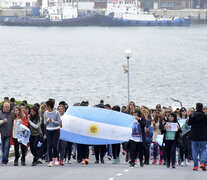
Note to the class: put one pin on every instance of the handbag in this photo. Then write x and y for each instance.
(180, 142)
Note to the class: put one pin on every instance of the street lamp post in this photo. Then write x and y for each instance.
(128, 53)
(181, 104)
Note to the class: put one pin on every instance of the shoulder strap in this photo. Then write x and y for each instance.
(56, 114)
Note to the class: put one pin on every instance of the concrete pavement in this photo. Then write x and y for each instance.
(92, 171)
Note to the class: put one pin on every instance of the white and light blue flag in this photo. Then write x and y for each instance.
(95, 126)
(23, 134)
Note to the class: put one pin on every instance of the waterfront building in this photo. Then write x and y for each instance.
(174, 4)
(17, 4)
(179, 4)
(159, 4)
(200, 4)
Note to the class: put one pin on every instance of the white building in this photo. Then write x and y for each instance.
(17, 3)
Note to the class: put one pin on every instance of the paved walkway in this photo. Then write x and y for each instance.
(107, 171)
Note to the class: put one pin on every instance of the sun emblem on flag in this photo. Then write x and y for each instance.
(93, 129)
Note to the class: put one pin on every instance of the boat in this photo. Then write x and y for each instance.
(129, 13)
(53, 13)
(86, 20)
(118, 13)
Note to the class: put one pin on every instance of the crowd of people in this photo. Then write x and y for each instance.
(188, 140)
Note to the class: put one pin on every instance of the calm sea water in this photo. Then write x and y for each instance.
(85, 63)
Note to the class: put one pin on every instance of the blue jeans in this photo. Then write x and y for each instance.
(5, 146)
(199, 148)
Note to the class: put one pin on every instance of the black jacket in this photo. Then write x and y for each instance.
(142, 123)
(198, 123)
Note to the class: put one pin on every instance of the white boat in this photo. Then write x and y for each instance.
(53, 13)
(129, 13)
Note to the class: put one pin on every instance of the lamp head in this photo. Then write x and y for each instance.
(128, 53)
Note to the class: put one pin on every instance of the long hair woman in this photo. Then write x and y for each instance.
(18, 117)
(34, 125)
(184, 151)
(137, 140)
(130, 108)
(148, 135)
(156, 123)
(62, 143)
(52, 122)
(44, 153)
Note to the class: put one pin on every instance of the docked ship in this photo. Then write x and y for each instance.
(129, 13)
(117, 13)
(53, 13)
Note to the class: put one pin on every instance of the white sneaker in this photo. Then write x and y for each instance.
(182, 163)
(50, 164)
(186, 162)
(69, 162)
(56, 161)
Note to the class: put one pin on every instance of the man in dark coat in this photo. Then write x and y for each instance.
(198, 135)
(5, 130)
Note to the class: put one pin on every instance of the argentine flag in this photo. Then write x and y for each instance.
(95, 126)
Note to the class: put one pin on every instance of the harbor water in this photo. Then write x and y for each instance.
(85, 63)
